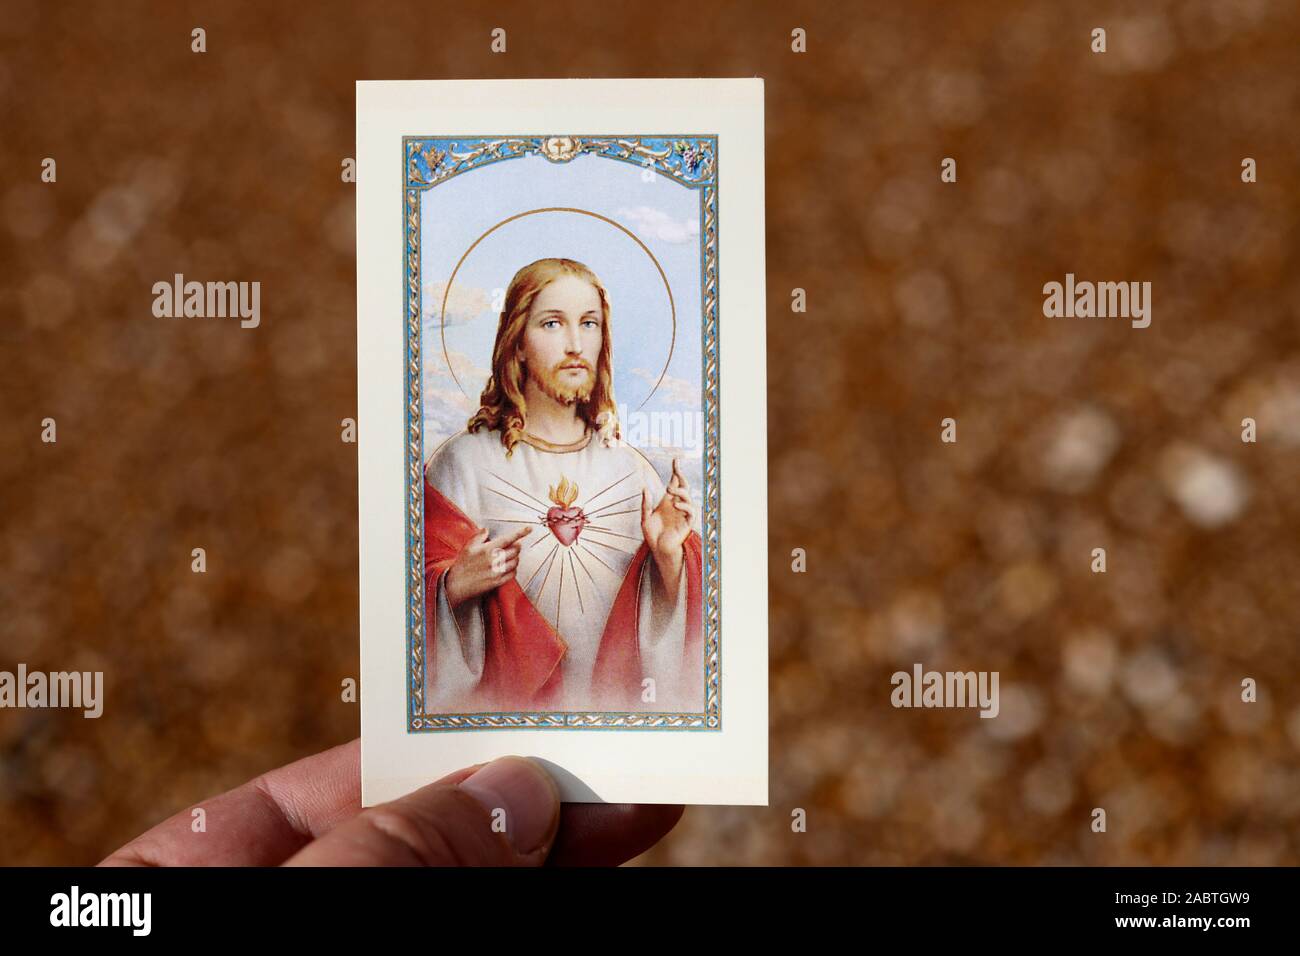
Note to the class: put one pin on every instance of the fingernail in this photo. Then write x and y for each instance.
(526, 793)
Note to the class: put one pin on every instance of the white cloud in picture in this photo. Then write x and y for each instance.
(465, 304)
(649, 222)
(676, 390)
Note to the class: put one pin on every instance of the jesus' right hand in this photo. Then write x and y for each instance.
(483, 565)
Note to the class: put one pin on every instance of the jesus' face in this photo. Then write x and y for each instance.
(560, 347)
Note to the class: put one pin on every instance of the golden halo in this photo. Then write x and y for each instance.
(442, 315)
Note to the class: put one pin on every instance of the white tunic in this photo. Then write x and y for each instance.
(572, 586)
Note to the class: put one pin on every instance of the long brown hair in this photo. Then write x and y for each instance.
(502, 405)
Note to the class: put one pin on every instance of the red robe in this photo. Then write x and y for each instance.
(522, 666)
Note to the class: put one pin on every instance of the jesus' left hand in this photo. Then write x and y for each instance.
(667, 525)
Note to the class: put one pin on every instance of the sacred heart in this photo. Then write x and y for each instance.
(565, 523)
(564, 520)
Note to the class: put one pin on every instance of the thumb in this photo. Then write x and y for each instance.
(505, 813)
(645, 505)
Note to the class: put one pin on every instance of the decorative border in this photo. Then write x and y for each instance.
(689, 160)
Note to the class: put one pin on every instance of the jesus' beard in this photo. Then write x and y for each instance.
(551, 385)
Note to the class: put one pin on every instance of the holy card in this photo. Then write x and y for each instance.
(562, 436)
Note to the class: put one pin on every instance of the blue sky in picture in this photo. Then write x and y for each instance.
(663, 214)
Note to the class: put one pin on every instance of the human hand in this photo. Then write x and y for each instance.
(309, 814)
(483, 565)
(667, 526)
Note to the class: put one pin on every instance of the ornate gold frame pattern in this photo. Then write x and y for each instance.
(689, 160)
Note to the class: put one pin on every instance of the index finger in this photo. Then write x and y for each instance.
(506, 540)
(678, 479)
(261, 823)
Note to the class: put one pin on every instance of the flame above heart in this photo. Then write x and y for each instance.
(565, 521)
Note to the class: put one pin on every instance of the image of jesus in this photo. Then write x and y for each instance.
(561, 573)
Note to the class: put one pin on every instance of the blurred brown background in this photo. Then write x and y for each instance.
(1119, 691)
